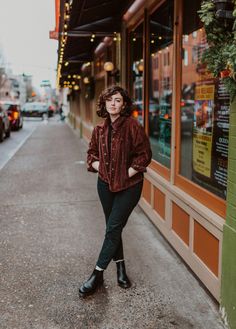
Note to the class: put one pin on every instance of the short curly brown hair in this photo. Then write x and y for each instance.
(106, 94)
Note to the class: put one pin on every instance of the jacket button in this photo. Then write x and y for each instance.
(107, 163)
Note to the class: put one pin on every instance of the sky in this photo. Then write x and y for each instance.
(24, 38)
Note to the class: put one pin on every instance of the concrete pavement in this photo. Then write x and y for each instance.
(52, 228)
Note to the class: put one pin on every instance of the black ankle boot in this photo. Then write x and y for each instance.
(122, 278)
(95, 280)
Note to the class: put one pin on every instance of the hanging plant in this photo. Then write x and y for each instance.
(219, 19)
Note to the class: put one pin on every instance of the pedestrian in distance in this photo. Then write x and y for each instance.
(119, 151)
(62, 116)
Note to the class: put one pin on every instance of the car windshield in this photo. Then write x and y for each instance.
(35, 106)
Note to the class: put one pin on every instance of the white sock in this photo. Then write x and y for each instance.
(119, 260)
(99, 268)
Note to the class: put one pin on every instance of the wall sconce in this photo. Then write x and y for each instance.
(139, 68)
(109, 68)
(86, 80)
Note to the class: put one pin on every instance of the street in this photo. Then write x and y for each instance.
(52, 227)
(10, 145)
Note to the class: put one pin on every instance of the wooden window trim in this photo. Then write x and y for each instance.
(160, 169)
(208, 199)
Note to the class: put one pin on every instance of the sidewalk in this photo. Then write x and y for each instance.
(52, 228)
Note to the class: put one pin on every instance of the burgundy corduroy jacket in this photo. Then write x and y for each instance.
(129, 147)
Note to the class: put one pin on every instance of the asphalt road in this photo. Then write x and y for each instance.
(11, 145)
(52, 227)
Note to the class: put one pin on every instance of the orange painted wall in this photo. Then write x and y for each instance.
(159, 202)
(180, 223)
(147, 190)
(206, 247)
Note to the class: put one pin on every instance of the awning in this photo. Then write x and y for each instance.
(83, 25)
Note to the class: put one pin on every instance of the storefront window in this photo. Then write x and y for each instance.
(136, 60)
(204, 112)
(161, 82)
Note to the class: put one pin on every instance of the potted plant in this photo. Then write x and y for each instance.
(220, 56)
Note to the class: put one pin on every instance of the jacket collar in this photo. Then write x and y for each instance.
(116, 124)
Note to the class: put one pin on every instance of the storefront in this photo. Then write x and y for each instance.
(154, 50)
(186, 113)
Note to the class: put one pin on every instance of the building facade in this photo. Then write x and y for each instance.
(155, 52)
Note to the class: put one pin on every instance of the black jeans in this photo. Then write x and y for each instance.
(117, 207)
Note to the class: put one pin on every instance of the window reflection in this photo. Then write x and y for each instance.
(204, 112)
(161, 81)
(136, 56)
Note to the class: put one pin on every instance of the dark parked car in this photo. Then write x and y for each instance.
(14, 114)
(5, 125)
(35, 109)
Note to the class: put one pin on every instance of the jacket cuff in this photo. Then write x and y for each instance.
(90, 168)
(138, 167)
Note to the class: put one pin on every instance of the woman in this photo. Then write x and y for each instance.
(119, 151)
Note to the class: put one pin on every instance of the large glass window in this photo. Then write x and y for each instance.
(161, 82)
(136, 60)
(204, 111)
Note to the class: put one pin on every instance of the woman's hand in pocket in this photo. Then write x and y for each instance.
(95, 165)
(131, 172)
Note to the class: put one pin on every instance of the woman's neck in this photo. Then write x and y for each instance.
(114, 117)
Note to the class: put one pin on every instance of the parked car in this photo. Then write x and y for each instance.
(14, 114)
(5, 125)
(35, 109)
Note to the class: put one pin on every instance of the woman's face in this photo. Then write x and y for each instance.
(114, 105)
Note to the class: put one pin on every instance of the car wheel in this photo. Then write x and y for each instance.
(44, 116)
(1, 133)
(8, 132)
(18, 125)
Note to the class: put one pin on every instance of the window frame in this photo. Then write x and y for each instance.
(172, 174)
(208, 199)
